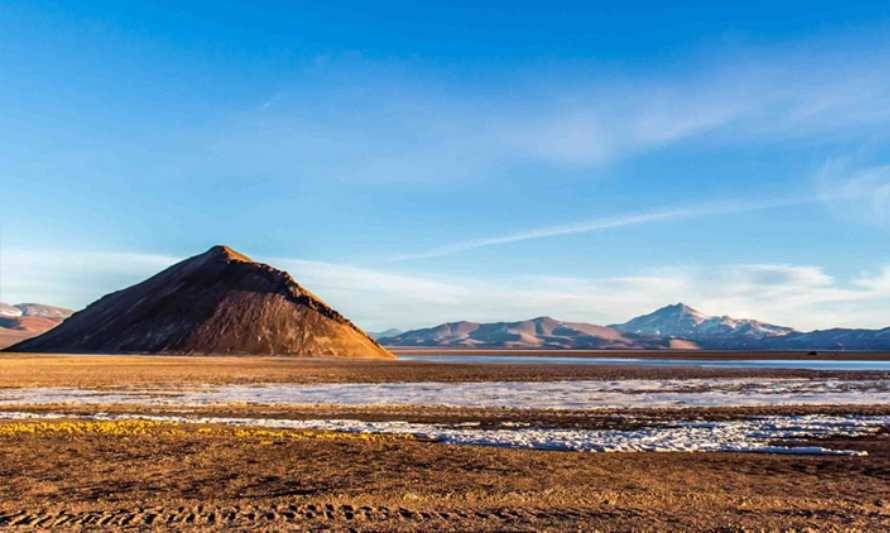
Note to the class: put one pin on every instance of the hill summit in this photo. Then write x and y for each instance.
(219, 302)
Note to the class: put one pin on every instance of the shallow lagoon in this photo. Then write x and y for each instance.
(789, 364)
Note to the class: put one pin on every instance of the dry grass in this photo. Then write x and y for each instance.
(159, 429)
(140, 470)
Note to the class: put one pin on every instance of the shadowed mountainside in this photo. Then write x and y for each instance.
(217, 302)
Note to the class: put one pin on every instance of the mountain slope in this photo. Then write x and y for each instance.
(718, 332)
(542, 332)
(23, 321)
(216, 302)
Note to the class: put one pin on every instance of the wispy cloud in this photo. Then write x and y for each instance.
(858, 193)
(72, 279)
(380, 122)
(618, 221)
(801, 296)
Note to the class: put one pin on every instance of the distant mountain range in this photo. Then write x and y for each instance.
(542, 332)
(22, 321)
(392, 332)
(675, 326)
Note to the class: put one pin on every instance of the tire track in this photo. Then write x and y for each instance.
(321, 515)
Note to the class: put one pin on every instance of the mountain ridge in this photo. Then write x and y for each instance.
(540, 332)
(676, 326)
(716, 332)
(216, 302)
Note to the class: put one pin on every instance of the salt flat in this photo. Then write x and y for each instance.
(580, 394)
(753, 435)
(758, 434)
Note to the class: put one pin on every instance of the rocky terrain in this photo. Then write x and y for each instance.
(216, 302)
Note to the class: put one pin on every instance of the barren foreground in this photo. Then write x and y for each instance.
(65, 467)
(127, 475)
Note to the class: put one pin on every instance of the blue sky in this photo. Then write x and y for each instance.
(413, 165)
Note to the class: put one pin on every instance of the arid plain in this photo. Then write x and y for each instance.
(130, 441)
(444, 266)
(311, 423)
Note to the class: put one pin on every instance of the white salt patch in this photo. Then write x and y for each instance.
(520, 395)
(751, 435)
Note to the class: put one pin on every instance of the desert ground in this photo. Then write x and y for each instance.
(126, 442)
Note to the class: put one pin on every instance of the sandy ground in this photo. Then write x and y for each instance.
(75, 474)
(120, 475)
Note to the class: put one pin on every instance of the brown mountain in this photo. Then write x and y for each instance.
(542, 332)
(218, 302)
(23, 321)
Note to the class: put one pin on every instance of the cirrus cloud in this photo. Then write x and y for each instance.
(801, 296)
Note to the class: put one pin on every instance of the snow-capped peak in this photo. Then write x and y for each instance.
(9, 311)
(681, 321)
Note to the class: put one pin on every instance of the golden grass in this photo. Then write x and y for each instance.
(141, 427)
(116, 428)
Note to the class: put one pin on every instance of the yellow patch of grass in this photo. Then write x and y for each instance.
(268, 436)
(116, 428)
(135, 427)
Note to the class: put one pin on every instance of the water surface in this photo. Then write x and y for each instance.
(792, 364)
